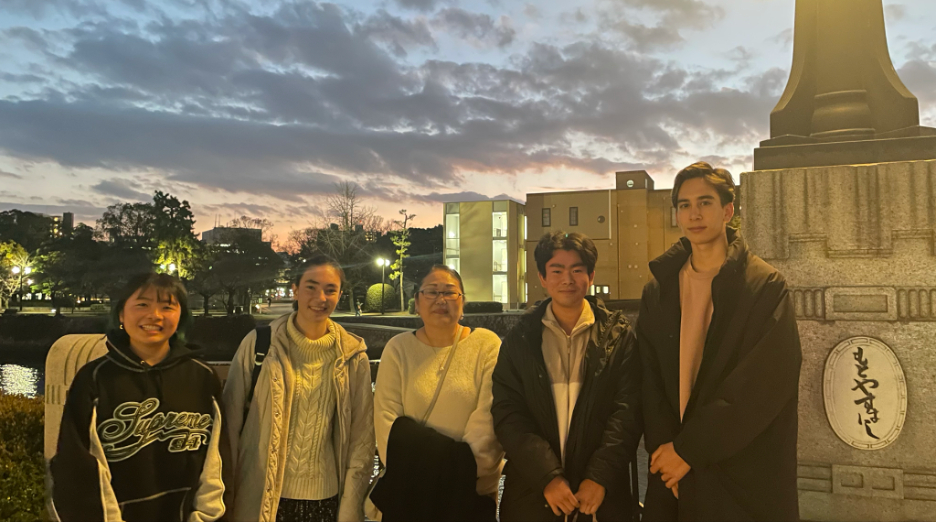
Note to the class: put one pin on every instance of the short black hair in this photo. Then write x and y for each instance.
(168, 288)
(720, 179)
(572, 241)
(314, 261)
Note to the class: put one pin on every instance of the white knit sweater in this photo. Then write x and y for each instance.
(407, 380)
(311, 471)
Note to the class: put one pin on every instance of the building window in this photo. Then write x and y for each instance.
(546, 218)
(500, 255)
(599, 290)
(499, 220)
(452, 247)
(573, 216)
(672, 217)
(500, 288)
(525, 227)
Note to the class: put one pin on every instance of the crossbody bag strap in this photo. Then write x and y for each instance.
(445, 369)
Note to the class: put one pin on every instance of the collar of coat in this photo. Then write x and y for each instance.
(666, 268)
(349, 345)
(608, 325)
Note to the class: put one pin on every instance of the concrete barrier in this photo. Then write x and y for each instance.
(66, 357)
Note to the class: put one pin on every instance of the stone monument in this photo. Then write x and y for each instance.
(843, 202)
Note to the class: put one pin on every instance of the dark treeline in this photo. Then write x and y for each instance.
(78, 266)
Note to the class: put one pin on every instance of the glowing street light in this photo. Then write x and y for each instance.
(383, 264)
(21, 271)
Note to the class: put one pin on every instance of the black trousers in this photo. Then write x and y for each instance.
(291, 510)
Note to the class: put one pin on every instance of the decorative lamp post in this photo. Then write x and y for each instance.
(382, 263)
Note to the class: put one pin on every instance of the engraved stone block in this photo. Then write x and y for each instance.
(863, 481)
(861, 304)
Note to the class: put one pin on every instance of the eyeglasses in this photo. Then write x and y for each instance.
(434, 294)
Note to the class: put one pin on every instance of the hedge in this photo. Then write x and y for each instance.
(372, 304)
(483, 307)
(22, 465)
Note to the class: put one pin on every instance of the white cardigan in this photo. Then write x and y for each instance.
(407, 380)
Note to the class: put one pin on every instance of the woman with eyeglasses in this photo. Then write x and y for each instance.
(432, 413)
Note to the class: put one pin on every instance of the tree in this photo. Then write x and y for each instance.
(69, 265)
(244, 268)
(174, 231)
(11, 255)
(401, 242)
(128, 224)
(26, 229)
(204, 280)
(345, 239)
(164, 229)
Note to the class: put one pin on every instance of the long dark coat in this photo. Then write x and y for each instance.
(739, 429)
(605, 427)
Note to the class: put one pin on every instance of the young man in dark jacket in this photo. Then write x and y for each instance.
(566, 397)
(721, 362)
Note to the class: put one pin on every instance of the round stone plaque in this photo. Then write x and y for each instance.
(865, 393)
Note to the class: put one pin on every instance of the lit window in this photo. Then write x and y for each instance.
(499, 220)
(546, 218)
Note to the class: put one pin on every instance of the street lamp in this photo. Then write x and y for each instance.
(382, 263)
(22, 271)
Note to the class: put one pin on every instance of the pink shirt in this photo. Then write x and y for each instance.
(695, 300)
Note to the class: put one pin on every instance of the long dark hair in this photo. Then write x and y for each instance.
(168, 288)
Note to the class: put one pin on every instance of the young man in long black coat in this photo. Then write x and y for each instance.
(566, 398)
(721, 358)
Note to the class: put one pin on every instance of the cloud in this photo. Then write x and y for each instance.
(670, 16)
(120, 188)
(784, 39)
(5, 174)
(684, 13)
(531, 11)
(419, 5)
(895, 12)
(287, 102)
(479, 28)
(397, 33)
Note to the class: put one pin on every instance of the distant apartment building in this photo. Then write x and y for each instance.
(62, 225)
(631, 225)
(485, 243)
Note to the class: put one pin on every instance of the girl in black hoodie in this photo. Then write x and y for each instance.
(141, 429)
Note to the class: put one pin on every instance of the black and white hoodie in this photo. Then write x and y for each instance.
(140, 443)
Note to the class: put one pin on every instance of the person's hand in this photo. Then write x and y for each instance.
(675, 490)
(590, 496)
(560, 497)
(669, 464)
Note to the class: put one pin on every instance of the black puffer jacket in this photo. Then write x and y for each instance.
(739, 429)
(606, 423)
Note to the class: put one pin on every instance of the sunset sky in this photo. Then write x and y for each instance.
(260, 107)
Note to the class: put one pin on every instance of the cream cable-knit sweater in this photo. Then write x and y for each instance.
(311, 472)
(408, 376)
